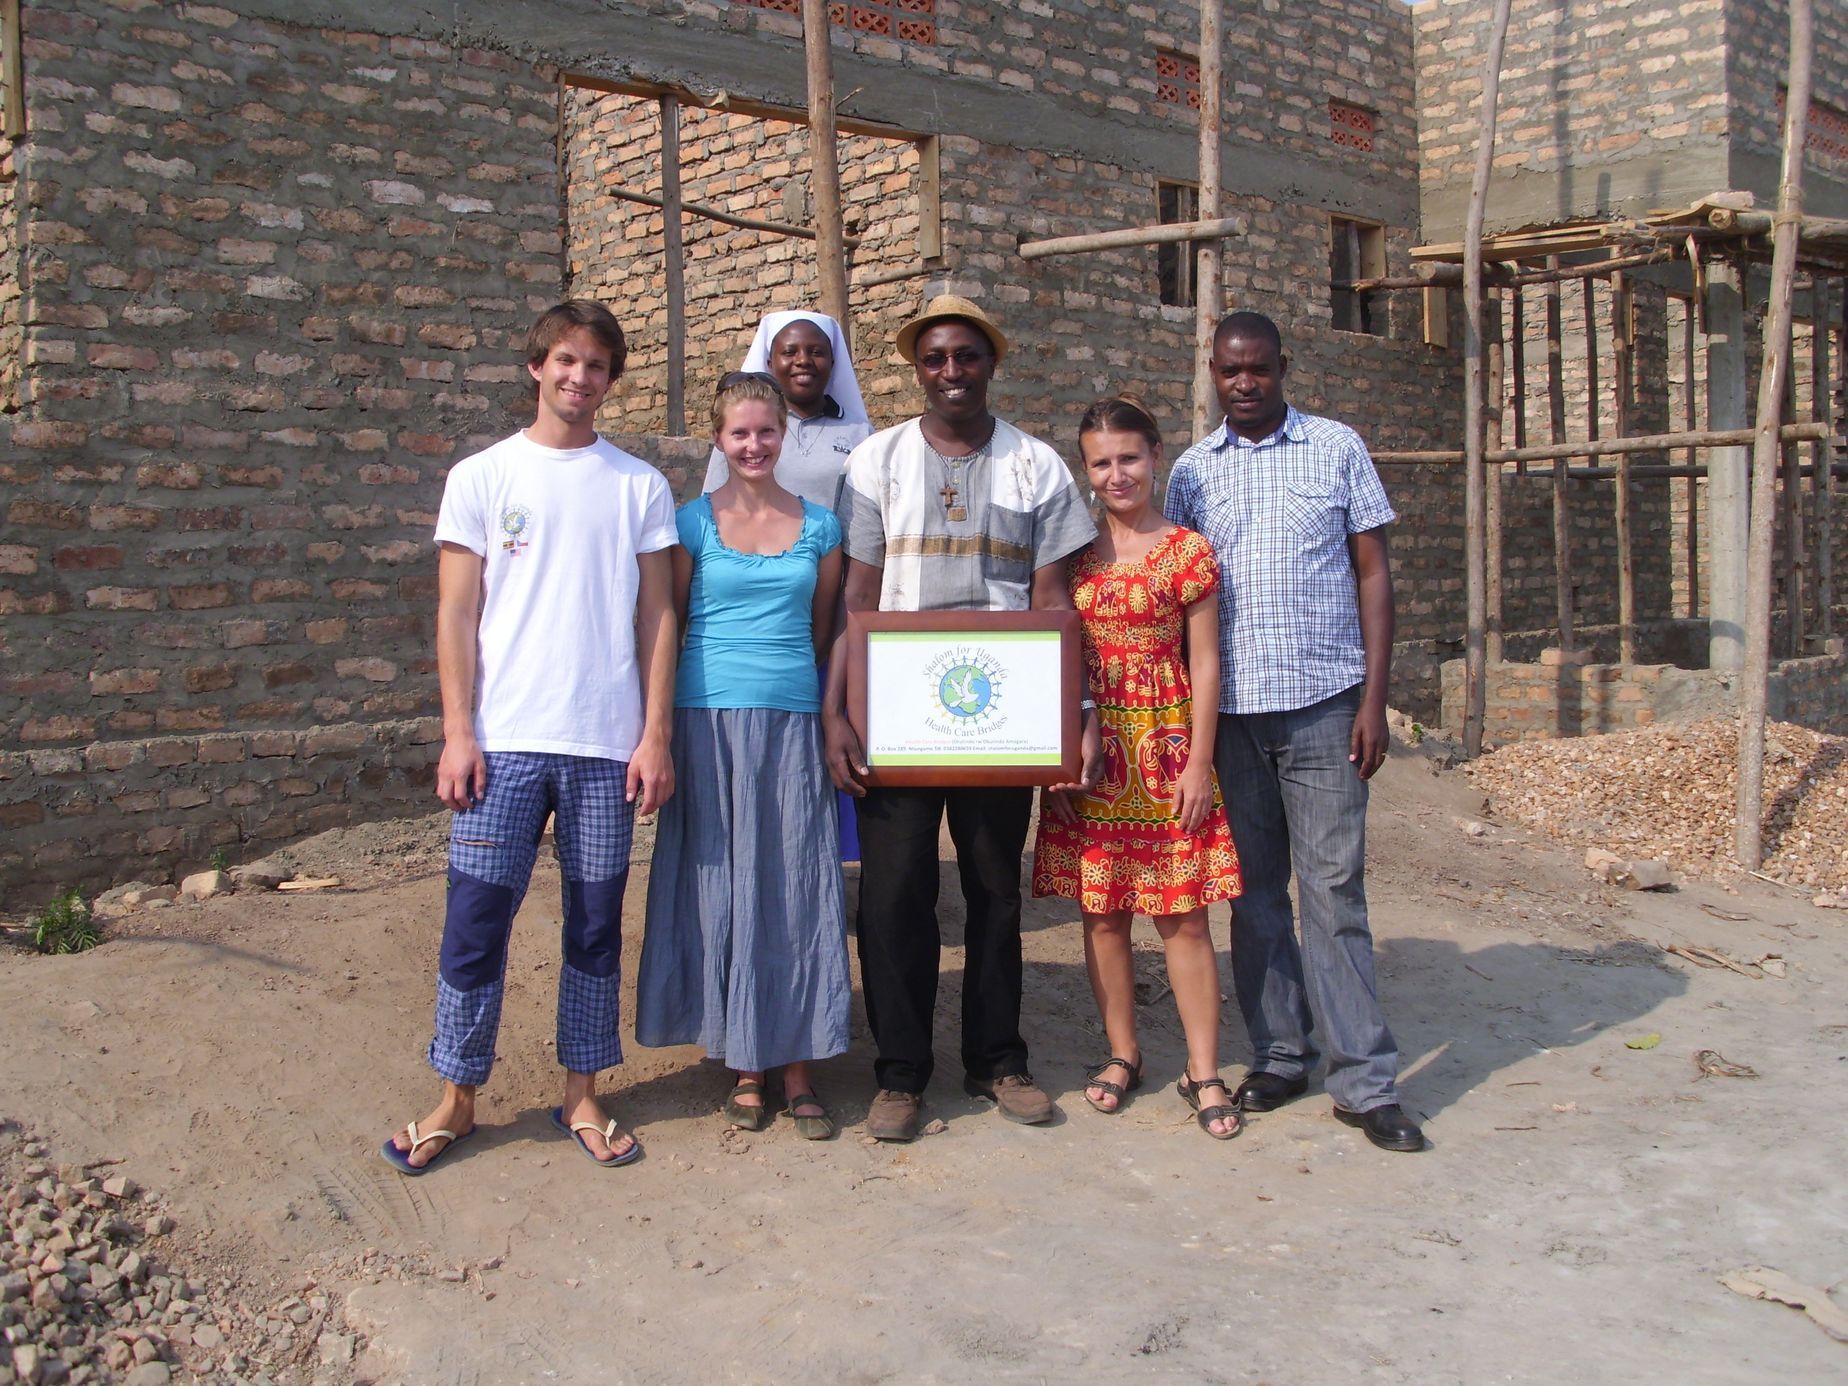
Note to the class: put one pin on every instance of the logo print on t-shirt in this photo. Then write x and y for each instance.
(514, 522)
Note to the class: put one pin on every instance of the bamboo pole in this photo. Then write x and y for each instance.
(824, 165)
(1623, 326)
(1807, 432)
(1207, 290)
(1492, 479)
(1749, 835)
(1556, 427)
(675, 254)
(1166, 234)
(1475, 519)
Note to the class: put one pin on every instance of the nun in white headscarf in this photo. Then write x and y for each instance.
(807, 357)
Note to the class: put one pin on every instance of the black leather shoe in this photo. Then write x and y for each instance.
(1387, 1127)
(1264, 1092)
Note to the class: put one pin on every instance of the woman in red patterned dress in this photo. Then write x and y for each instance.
(1152, 837)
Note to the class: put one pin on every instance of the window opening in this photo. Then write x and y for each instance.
(1177, 264)
(1356, 251)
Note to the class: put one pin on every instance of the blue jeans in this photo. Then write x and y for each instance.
(1293, 800)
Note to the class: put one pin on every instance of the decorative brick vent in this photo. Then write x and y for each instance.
(1352, 125)
(1828, 133)
(911, 20)
(1177, 79)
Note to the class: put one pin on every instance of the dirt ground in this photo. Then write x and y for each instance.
(1570, 1221)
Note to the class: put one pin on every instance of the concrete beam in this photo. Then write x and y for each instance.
(630, 44)
(1666, 178)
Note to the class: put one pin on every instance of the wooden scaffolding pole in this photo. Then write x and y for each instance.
(1207, 294)
(824, 166)
(1492, 439)
(1556, 430)
(1691, 526)
(1475, 649)
(1831, 369)
(1749, 826)
(675, 252)
(1623, 365)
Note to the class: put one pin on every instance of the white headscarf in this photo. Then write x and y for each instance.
(843, 385)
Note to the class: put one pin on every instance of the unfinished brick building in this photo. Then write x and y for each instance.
(266, 266)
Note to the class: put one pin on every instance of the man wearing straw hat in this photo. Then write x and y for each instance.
(954, 510)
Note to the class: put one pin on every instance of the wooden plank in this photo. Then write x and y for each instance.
(1437, 318)
(1208, 283)
(824, 165)
(13, 116)
(1214, 229)
(675, 256)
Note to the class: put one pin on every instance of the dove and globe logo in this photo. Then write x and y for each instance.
(965, 691)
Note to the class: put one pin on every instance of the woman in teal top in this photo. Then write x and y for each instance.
(745, 952)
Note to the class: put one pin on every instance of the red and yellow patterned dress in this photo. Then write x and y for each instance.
(1127, 851)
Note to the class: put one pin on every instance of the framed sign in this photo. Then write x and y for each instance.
(966, 697)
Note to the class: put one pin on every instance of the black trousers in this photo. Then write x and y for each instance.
(901, 945)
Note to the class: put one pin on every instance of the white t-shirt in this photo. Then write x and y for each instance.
(559, 532)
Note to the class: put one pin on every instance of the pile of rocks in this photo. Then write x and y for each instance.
(86, 1296)
(1668, 792)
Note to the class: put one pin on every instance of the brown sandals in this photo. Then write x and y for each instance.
(1191, 1091)
(1116, 1090)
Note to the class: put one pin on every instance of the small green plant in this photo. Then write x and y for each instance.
(1418, 733)
(65, 926)
(219, 860)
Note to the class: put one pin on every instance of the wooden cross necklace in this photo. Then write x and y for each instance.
(950, 493)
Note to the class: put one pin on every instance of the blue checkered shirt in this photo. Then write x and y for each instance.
(1278, 513)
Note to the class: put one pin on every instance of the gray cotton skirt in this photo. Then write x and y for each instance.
(745, 947)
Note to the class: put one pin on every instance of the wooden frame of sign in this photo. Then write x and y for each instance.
(973, 698)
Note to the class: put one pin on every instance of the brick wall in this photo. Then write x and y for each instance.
(1757, 63)
(1603, 105)
(751, 168)
(279, 278)
(1568, 697)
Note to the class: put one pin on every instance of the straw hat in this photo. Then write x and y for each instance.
(946, 308)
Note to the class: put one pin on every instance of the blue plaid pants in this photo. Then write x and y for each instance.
(492, 847)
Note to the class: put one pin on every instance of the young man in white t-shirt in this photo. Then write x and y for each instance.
(555, 643)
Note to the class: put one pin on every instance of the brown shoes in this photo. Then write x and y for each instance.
(894, 1116)
(1016, 1094)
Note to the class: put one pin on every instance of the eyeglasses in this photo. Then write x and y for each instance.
(967, 358)
(731, 378)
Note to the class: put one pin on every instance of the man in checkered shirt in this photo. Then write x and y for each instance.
(1295, 512)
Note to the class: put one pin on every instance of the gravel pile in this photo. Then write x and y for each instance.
(1668, 792)
(87, 1293)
